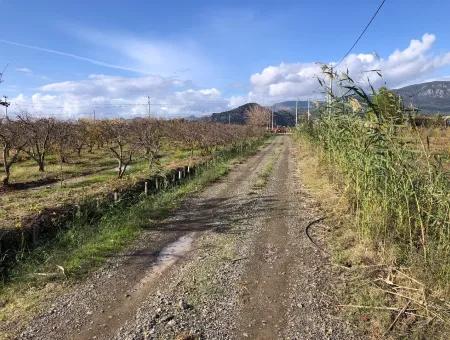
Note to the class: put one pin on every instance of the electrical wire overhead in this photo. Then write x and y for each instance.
(362, 33)
(2, 73)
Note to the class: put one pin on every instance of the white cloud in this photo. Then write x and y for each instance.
(120, 96)
(297, 80)
(24, 70)
(235, 101)
(114, 86)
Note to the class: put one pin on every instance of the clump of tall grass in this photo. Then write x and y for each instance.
(399, 192)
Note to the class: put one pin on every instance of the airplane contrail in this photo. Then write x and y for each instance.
(71, 55)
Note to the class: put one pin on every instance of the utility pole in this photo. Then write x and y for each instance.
(308, 115)
(149, 107)
(229, 118)
(94, 115)
(272, 117)
(330, 91)
(296, 112)
(5, 103)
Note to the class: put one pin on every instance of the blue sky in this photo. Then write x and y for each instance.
(194, 57)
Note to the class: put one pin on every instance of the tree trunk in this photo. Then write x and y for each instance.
(120, 173)
(150, 162)
(41, 166)
(6, 166)
(5, 180)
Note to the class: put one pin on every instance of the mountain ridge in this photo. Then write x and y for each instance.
(429, 97)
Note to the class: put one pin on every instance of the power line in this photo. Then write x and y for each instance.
(3, 72)
(362, 33)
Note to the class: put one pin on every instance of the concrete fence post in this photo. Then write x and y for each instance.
(146, 188)
(116, 196)
(156, 184)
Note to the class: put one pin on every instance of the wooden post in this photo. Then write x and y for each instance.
(146, 188)
(35, 234)
(97, 203)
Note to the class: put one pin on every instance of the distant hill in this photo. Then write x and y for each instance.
(282, 116)
(302, 108)
(238, 115)
(290, 106)
(432, 97)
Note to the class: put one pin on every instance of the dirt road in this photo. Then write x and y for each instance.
(233, 262)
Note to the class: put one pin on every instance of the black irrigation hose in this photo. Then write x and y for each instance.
(310, 224)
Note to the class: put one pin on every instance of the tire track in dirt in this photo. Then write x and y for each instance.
(288, 284)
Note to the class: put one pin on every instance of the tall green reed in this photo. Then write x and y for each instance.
(399, 192)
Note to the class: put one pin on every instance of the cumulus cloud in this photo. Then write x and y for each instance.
(401, 67)
(120, 96)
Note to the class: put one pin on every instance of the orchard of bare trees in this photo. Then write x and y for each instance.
(126, 140)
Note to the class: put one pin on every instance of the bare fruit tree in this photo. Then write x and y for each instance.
(63, 137)
(38, 134)
(79, 137)
(12, 141)
(188, 134)
(258, 116)
(120, 138)
(149, 137)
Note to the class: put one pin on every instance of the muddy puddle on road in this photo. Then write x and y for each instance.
(125, 307)
(168, 256)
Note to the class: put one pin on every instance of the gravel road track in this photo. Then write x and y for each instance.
(233, 262)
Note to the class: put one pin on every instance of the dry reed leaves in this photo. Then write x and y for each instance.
(416, 303)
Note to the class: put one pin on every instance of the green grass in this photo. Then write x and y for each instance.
(264, 175)
(93, 174)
